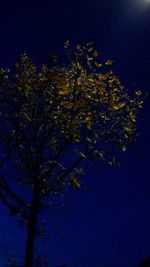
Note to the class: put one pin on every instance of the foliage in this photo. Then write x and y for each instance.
(55, 117)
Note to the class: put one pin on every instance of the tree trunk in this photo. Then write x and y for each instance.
(31, 230)
(29, 250)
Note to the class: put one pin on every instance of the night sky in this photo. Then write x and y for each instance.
(108, 225)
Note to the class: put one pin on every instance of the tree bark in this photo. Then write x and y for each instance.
(31, 230)
(29, 250)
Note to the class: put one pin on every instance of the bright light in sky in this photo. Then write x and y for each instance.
(144, 2)
(140, 4)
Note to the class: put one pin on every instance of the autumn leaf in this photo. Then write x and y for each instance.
(138, 93)
(78, 46)
(119, 106)
(109, 62)
(90, 79)
(140, 104)
(95, 54)
(124, 148)
(127, 129)
(66, 43)
(50, 114)
(82, 155)
(74, 182)
(98, 64)
(132, 116)
(89, 58)
(90, 49)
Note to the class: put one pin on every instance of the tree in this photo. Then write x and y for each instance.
(53, 118)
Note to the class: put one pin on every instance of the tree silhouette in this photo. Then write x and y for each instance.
(53, 118)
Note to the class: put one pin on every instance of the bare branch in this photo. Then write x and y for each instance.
(20, 152)
(13, 208)
(14, 196)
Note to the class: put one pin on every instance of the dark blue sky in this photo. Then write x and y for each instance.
(109, 225)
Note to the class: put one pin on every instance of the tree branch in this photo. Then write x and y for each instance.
(66, 172)
(13, 208)
(61, 178)
(10, 192)
(19, 151)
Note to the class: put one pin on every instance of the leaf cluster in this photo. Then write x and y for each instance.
(80, 109)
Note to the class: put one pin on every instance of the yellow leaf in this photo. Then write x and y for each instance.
(126, 136)
(61, 86)
(138, 93)
(78, 46)
(79, 81)
(64, 87)
(98, 64)
(95, 54)
(68, 105)
(82, 155)
(74, 182)
(124, 148)
(119, 106)
(109, 62)
(89, 58)
(102, 76)
(132, 117)
(140, 104)
(90, 80)
(63, 92)
(90, 49)
(89, 96)
(127, 129)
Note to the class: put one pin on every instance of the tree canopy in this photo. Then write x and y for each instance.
(56, 116)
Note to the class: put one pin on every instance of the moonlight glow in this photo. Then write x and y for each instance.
(144, 2)
(140, 5)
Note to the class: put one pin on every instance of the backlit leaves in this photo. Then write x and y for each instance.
(66, 43)
(79, 105)
(118, 106)
(138, 93)
(109, 62)
(74, 181)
